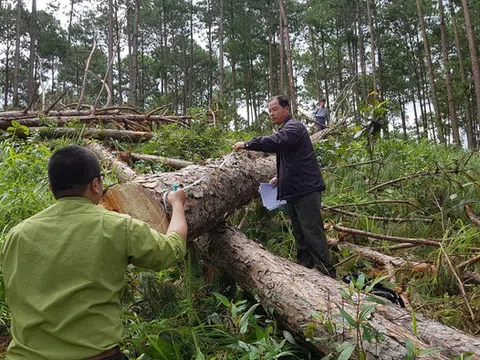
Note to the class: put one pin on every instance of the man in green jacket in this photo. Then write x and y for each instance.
(63, 269)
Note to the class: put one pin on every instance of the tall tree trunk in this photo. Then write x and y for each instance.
(433, 87)
(110, 50)
(315, 63)
(221, 70)
(7, 71)
(466, 95)
(281, 35)
(404, 120)
(361, 47)
(270, 50)
(417, 127)
(291, 79)
(31, 65)
(325, 78)
(372, 44)
(451, 106)
(132, 93)
(16, 71)
(473, 55)
(210, 53)
(119, 59)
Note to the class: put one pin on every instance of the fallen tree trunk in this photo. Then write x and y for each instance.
(121, 170)
(174, 163)
(129, 119)
(297, 294)
(100, 134)
(214, 191)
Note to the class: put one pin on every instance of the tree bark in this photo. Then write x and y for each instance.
(433, 87)
(221, 73)
(132, 94)
(281, 35)
(31, 63)
(306, 299)
(468, 115)
(448, 76)
(119, 60)
(110, 51)
(473, 54)
(16, 71)
(174, 163)
(372, 44)
(291, 79)
(101, 134)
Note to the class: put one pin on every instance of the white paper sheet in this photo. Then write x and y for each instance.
(269, 196)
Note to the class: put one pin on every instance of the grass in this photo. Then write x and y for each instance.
(175, 314)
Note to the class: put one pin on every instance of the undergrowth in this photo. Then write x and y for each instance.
(177, 314)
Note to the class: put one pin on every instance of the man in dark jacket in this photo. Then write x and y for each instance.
(300, 183)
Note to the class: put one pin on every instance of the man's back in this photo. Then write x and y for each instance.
(63, 271)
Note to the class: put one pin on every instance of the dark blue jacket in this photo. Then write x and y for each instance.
(298, 172)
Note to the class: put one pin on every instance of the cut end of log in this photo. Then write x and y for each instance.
(137, 202)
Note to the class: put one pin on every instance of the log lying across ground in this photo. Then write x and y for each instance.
(100, 134)
(121, 170)
(296, 294)
(293, 291)
(214, 191)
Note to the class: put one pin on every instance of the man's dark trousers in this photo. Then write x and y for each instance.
(307, 226)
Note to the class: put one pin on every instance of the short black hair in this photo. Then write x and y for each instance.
(282, 100)
(322, 100)
(71, 169)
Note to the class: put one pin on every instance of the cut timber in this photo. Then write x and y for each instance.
(100, 134)
(121, 170)
(128, 119)
(173, 163)
(296, 294)
(213, 191)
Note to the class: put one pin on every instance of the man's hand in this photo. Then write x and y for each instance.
(178, 223)
(273, 181)
(239, 146)
(177, 198)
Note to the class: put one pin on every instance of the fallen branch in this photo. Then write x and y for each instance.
(406, 202)
(429, 242)
(55, 102)
(419, 174)
(465, 264)
(387, 260)
(375, 218)
(174, 163)
(473, 218)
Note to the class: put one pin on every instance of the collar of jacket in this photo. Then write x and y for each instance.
(287, 119)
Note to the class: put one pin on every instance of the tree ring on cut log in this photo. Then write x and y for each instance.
(137, 202)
